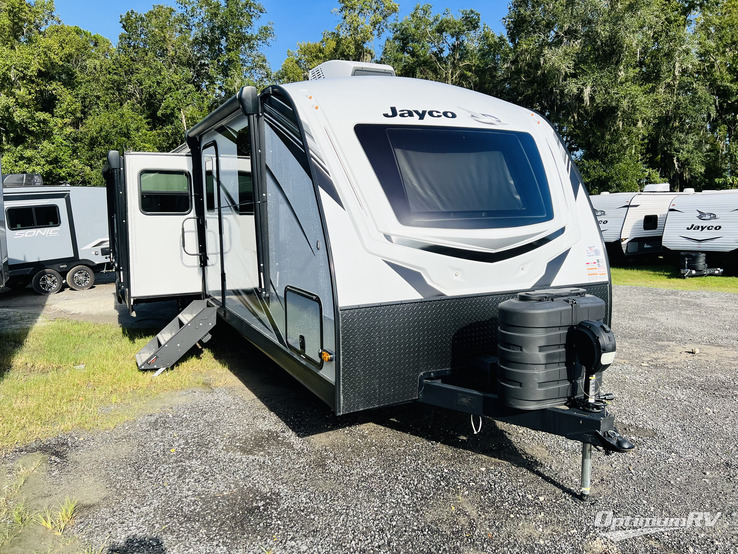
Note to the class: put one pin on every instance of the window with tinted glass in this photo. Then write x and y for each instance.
(164, 192)
(459, 178)
(650, 222)
(30, 217)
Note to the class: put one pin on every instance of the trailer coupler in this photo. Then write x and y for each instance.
(588, 427)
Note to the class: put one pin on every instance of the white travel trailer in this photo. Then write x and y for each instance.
(4, 269)
(701, 223)
(54, 233)
(399, 240)
(610, 211)
(644, 221)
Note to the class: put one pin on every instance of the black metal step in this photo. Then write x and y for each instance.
(193, 324)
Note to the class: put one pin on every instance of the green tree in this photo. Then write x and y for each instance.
(43, 68)
(67, 96)
(441, 47)
(361, 23)
(716, 32)
(605, 72)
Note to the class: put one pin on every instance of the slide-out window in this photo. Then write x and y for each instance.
(31, 217)
(165, 192)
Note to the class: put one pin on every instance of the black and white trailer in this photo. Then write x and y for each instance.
(53, 234)
(702, 223)
(396, 240)
(610, 210)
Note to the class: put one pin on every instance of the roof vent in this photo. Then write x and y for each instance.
(659, 187)
(342, 68)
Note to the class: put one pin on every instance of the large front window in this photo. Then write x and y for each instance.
(458, 178)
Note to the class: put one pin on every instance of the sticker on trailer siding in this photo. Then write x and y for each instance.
(596, 269)
(596, 266)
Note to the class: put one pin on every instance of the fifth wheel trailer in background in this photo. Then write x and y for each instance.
(398, 240)
(54, 234)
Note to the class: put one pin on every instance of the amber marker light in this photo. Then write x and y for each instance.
(326, 356)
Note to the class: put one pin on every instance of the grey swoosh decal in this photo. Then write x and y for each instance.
(552, 270)
(416, 280)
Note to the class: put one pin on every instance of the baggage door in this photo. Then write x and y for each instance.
(161, 227)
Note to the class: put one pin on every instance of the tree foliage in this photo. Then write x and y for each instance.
(361, 23)
(440, 47)
(67, 96)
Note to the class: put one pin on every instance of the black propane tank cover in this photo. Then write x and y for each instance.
(532, 345)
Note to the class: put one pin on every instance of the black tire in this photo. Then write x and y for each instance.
(80, 277)
(47, 281)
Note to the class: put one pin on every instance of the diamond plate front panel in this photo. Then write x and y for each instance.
(386, 348)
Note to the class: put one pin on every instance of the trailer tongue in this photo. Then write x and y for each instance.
(549, 355)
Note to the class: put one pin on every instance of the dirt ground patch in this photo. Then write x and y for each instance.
(265, 467)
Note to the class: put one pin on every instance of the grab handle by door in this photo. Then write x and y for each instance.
(184, 246)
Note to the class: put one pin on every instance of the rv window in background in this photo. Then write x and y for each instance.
(650, 222)
(32, 217)
(164, 192)
(459, 178)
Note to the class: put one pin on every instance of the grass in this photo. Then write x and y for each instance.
(57, 521)
(666, 276)
(68, 375)
(14, 515)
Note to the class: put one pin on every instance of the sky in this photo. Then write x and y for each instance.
(293, 21)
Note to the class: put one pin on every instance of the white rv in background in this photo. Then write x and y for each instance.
(644, 222)
(610, 210)
(4, 270)
(386, 240)
(633, 223)
(706, 222)
(53, 234)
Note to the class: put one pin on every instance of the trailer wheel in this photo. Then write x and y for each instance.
(80, 277)
(47, 281)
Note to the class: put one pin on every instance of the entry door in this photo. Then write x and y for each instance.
(162, 230)
(232, 275)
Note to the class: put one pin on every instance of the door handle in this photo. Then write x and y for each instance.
(184, 247)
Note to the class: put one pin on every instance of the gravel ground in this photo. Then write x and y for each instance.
(265, 467)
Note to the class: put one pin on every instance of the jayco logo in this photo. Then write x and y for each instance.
(420, 114)
(694, 227)
(706, 216)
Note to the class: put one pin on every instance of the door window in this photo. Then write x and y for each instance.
(165, 192)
